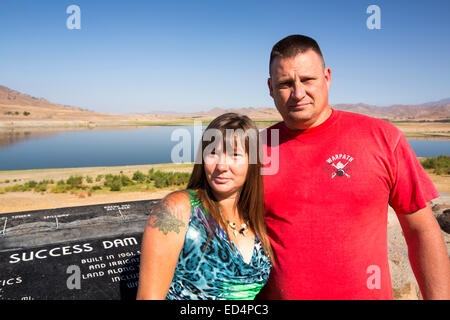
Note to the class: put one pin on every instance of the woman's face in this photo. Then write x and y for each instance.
(226, 171)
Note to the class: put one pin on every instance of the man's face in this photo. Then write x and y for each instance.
(299, 87)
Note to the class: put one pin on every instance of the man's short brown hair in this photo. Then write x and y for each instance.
(292, 46)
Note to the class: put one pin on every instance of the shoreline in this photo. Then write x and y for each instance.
(417, 130)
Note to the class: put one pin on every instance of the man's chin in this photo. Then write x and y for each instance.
(297, 121)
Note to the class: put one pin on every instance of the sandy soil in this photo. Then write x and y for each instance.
(424, 130)
(25, 201)
(442, 182)
(23, 176)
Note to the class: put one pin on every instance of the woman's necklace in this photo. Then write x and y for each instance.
(243, 230)
(244, 227)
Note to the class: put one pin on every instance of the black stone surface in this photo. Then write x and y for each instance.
(89, 252)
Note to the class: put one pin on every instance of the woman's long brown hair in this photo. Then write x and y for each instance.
(250, 204)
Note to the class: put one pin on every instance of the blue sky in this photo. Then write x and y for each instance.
(139, 56)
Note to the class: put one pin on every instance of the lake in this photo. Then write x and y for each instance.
(118, 147)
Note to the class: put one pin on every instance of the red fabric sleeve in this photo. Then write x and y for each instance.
(412, 188)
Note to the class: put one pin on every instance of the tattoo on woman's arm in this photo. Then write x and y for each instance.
(161, 217)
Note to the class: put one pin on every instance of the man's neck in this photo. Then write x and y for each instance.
(308, 125)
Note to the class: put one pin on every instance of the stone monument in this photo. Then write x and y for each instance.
(80, 253)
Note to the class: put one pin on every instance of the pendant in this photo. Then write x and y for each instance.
(243, 230)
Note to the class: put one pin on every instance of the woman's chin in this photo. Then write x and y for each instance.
(222, 191)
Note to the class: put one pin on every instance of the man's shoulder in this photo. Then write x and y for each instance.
(370, 128)
(364, 121)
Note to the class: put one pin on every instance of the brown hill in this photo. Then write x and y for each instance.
(21, 109)
(17, 106)
(430, 111)
(15, 98)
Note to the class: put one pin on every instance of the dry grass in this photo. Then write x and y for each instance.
(25, 201)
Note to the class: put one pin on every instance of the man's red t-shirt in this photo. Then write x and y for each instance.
(326, 207)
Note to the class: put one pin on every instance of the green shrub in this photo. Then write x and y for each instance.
(161, 182)
(75, 182)
(116, 185)
(18, 188)
(168, 179)
(125, 180)
(139, 176)
(89, 179)
(40, 188)
(440, 165)
(31, 184)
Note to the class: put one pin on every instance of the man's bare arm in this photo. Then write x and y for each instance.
(427, 253)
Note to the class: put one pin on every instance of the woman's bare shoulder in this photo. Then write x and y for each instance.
(171, 213)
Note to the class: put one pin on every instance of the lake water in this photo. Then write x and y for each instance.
(117, 147)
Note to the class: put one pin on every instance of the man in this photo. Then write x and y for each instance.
(326, 208)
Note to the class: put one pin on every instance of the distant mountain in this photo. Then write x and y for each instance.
(442, 102)
(427, 111)
(18, 106)
(437, 110)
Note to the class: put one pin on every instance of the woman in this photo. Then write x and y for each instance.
(209, 241)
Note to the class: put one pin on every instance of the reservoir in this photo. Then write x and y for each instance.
(20, 150)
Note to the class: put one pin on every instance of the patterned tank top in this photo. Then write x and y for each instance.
(215, 270)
